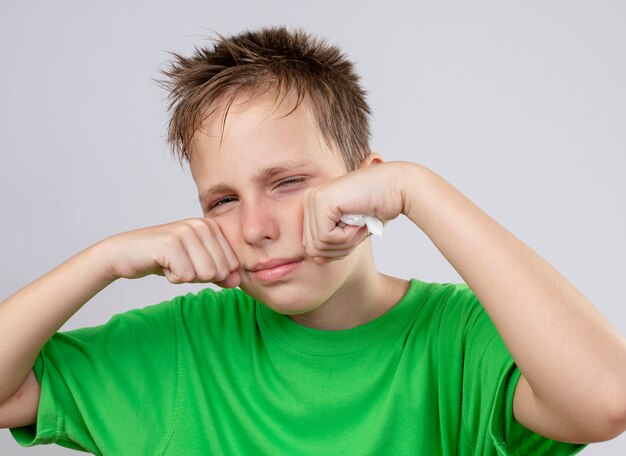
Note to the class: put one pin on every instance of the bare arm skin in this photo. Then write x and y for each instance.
(31, 316)
(192, 250)
(21, 408)
(573, 360)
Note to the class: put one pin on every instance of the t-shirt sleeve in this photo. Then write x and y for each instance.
(108, 389)
(490, 377)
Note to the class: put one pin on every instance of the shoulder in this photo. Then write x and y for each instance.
(215, 310)
(455, 300)
(190, 312)
(233, 301)
(205, 301)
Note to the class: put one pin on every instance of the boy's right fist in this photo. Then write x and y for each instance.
(191, 250)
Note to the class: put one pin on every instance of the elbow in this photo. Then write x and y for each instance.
(598, 423)
(613, 395)
(615, 422)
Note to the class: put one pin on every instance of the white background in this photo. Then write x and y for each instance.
(521, 106)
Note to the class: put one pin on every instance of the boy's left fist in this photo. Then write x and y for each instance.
(373, 190)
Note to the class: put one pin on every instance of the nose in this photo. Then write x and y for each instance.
(258, 222)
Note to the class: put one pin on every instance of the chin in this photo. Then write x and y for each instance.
(287, 300)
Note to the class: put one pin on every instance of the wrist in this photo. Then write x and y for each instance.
(410, 179)
(100, 255)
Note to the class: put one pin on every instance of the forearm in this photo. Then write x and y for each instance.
(572, 357)
(33, 314)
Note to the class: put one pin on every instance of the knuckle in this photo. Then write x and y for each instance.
(210, 273)
(173, 278)
(214, 229)
(188, 276)
(209, 222)
(207, 271)
(319, 239)
(222, 274)
(169, 238)
(186, 229)
(198, 223)
(182, 274)
(203, 278)
(311, 251)
(319, 243)
(190, 220)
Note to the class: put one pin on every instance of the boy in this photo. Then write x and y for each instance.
(315, 352)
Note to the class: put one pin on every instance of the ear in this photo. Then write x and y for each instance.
(372, 159)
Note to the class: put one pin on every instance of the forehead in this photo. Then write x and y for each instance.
(257, 135)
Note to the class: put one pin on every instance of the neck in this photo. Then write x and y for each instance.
(364, 296)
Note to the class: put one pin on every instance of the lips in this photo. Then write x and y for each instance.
(274, 270)
(273, 263)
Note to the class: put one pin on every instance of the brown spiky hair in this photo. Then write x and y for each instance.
(270, 58)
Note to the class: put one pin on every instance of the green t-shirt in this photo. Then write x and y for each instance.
(218, 372)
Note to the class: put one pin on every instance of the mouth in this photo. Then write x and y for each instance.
(274, 273)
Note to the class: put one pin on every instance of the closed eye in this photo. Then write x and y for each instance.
(221, 202)
(228, 199)
(295, 180)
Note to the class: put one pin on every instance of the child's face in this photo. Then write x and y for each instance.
(262, 217)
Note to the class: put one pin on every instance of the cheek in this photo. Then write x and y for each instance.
(293, 221)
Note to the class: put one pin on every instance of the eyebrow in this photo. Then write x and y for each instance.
(264, 174)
